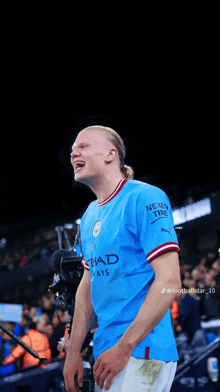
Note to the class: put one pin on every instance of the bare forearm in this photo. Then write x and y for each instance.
(84, 317)
(151, 312)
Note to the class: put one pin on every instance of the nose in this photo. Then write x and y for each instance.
(75, 153)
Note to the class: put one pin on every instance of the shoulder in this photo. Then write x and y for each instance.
(26, 338)
(142, 191)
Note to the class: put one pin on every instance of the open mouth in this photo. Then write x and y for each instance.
(78, 166)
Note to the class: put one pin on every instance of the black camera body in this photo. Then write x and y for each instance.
(66, 281)
(71, 269)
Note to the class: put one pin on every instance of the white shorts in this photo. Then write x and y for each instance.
(144, 375)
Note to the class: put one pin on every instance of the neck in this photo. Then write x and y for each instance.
(105, 186)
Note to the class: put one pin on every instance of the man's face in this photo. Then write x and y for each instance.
(90, 155)
(4, 335)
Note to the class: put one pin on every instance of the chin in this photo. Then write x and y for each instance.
(88, 180)
(82, 179)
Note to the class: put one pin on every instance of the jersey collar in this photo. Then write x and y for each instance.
(116, 191)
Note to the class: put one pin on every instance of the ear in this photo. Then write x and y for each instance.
(111, 155)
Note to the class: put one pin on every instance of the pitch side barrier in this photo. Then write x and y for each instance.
(194, 375)
(47, 379)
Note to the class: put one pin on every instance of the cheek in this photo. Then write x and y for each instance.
(96, 162)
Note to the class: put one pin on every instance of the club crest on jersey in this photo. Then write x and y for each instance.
(96, 229)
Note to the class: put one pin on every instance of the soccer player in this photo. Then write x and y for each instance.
(131, 273)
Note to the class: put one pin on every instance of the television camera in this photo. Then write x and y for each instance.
(68, 274)
(68, 269)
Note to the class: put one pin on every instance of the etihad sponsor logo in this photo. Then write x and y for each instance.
(102, 273)
(109, 260)
(100, 262)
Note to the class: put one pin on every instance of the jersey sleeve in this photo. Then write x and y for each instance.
(83, 262)
(155, 223)
(85, 265)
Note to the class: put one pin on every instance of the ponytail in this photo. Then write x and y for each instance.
(128, 172)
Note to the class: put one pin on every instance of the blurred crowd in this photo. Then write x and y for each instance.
(47, 320)
(19, 256)
(44, 325)
(25, 251)
(198, 302)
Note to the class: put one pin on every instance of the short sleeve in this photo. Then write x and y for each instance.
(155, 223)
(85, 265)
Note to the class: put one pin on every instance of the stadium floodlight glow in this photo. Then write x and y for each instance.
(192, 211)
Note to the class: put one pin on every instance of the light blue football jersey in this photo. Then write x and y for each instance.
(120, 238)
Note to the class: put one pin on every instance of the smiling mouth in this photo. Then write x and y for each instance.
(78, 166)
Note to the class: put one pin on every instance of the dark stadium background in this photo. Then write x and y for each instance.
(36, 177)
(171, 150)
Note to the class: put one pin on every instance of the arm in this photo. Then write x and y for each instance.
(154, 307)
(17, 352)
(156, 303)
(84, 317)
(157, 237)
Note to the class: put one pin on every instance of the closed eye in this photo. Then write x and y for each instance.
(81, 145)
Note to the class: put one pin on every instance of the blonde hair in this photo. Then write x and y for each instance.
(117, 141)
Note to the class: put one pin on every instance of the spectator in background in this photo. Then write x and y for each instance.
(26, 309)
(63, 345)
(184, 267)
(37, 341)
(189, 312)
(16, 259)
(35, 311)
(42, 323)
(189, 322)
(55, 329)
(52, 339)
(198, 274)
(24, 259)
(175, 314)
(7, 263)
(211, 298)
(49, 306)
(216, 268)
(58, 325)
(23, 327)
(6, 347)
